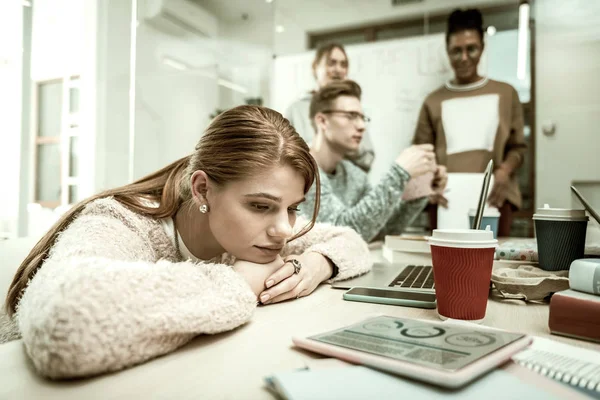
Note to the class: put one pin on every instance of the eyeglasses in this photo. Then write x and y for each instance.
(456, 53)
(351, 115)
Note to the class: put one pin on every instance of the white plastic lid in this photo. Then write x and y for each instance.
(487, 212)
(466, 238)
(583, 274)
(559, 214)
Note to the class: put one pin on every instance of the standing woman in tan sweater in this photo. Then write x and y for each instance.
(138, 271)
(472, 119)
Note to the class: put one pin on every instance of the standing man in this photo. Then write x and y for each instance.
(330, 65)
(347, 198)
(473, 119)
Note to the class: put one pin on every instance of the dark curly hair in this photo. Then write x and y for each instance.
(463, 20)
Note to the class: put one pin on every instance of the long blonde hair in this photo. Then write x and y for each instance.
(238, 144)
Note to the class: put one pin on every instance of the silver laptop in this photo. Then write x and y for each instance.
(396, 276)
(412, 277)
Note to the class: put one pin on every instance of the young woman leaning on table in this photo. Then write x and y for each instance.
(138, 271)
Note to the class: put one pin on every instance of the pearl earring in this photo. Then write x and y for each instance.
(203, 208)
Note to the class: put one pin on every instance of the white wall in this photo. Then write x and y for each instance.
(58, 39)
(11, 32)
(568, 95)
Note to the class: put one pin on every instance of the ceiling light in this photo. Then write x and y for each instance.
(279, 29)
(491, 30)
(182, 66)
(232, 86)
(269, 1)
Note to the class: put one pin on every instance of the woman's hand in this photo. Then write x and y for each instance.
(284, 284)
(497, 196)
(256, 274)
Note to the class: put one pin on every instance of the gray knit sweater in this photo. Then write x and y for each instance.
(114, 292)
(347, 199)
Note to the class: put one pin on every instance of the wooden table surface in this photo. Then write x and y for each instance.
(233, 365)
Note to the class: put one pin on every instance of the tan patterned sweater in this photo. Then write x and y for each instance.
(469, 125)
(114, 292)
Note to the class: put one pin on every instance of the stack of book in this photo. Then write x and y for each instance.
(576, 312)
(406, 248)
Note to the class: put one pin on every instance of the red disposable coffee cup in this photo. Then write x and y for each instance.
(462, 268)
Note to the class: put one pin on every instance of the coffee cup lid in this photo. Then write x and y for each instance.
(559, 214)
(487, 212)
(468, 238)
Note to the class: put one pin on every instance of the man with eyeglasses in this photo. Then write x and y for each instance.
(347, 198)
(472, 119)
(330, 65)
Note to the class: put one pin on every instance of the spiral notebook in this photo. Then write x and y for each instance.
(571, 365)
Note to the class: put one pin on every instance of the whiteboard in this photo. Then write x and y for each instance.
(395, 76)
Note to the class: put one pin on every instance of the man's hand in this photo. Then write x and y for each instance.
(497, 196)
(417, 160)
(440, 181)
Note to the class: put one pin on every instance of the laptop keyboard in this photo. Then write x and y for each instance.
(415, 277)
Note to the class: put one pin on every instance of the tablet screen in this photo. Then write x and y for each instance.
(443, 346)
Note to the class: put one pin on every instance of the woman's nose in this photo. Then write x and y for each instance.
(281, 227)
(339, 69)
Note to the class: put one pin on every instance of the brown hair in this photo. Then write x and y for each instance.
(323, 99)
(325, 51)
(237, 144)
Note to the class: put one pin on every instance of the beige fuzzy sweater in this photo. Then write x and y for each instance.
(114, 292)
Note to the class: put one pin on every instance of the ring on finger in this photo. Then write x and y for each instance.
(296, 264)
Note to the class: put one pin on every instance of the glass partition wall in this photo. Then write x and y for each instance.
(194, 59)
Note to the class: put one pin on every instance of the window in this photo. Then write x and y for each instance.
(56, 138)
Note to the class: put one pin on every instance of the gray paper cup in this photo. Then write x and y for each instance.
(560, 235)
